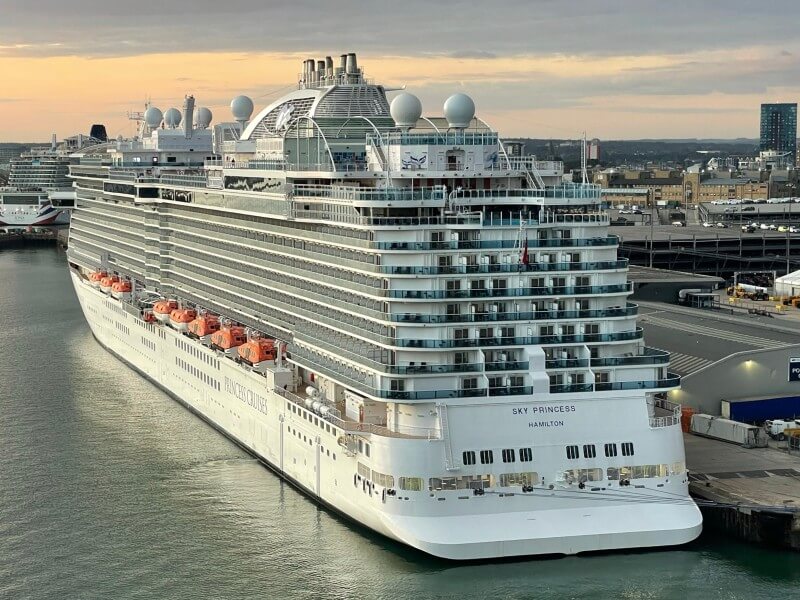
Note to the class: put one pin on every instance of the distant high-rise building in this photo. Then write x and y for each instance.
(779, 129)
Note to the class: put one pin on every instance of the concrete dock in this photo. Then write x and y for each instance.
(752, 493)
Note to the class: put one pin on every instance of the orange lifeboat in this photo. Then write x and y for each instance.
(228, 337)
(95, 277)
(203, 325)
(121, 289)
(106, 283)
(181, 317)
(256, 351)
(163, 308)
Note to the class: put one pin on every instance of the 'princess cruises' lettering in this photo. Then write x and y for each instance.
(246, 395)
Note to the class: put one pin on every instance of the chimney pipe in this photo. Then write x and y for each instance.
(188, 115)
(352, 65)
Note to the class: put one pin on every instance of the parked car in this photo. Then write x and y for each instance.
(707, 224)
(793, 229)
(748, 228)
(722, 225)
(783, 228)
(678, 224)
(749, 209)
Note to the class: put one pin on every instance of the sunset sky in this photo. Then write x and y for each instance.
(635, 69)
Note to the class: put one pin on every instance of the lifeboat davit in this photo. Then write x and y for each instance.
(203, 326)
(256, 351)
(228, 338)
(121, 290)
(181, 317)
(106, 283)
(163, 308)
(148, 316)
(95, 277)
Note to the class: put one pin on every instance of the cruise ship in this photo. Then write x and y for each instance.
(39, 191)
(416, 329)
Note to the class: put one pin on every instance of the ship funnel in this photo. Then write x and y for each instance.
(321, 69)
(329, 65)
(188, 116)
(352, 64)
(312, 72)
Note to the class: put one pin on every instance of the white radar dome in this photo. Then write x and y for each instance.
(172, 118)
(153, 116)
(406, 110)
(202, 118)
(459, 110)
(242, 108)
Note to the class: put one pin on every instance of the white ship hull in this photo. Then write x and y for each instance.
(452, 524)
(32, 216)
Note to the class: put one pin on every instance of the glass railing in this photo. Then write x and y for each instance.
(447, 138)
(506, 366)
(566, 363)
(671, 381)
(579, 338)
(356, 193)
(508, 268)
(650, 356)
(610, 240)
(510, 292)
(570, 387)
(628, 311)
(567, 191)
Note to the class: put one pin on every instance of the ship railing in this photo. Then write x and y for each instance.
(539, 315)
(573, 290)
(610, 240)
(670, 413)
(566, 191)
(357, 193)
(508, 268)
(535, 340)
(433, 138)
(359, 428)
(671, 381)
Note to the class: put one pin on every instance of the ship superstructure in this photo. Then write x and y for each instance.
(422, 332)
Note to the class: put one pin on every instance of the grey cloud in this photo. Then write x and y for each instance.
(411, 27)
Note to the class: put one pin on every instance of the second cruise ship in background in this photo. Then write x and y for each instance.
(39, 191)
(416, 329)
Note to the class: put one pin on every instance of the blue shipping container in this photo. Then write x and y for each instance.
(758, 411)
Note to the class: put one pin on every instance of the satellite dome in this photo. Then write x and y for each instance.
(459, 110)
(242, 108)
(203, 118)
(153, 117)
(406, 110)
(172, 118)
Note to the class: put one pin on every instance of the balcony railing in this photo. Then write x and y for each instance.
(671, 381)
(566, 363)
(540, 315)
(508, 268)
(610, 240)
(356, 193)
(650, 356)
(510, 292)
(580, 338)
(667, 413)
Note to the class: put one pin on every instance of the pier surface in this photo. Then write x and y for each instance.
(752, 493)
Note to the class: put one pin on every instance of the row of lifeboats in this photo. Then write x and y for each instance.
(111, 284)
(226, 337)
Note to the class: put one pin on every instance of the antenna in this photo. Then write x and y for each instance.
(583, 159)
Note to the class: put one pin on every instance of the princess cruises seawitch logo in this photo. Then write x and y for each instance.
(537, 414)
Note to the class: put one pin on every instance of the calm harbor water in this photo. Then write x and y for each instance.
(110, 489)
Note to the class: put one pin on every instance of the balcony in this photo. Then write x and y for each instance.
(509, 268)
(541, 315)
(672, 381)
(566, 363)
(649, 356)
(506, 366)
(580, 338)
(610, 240)
(616, 288)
